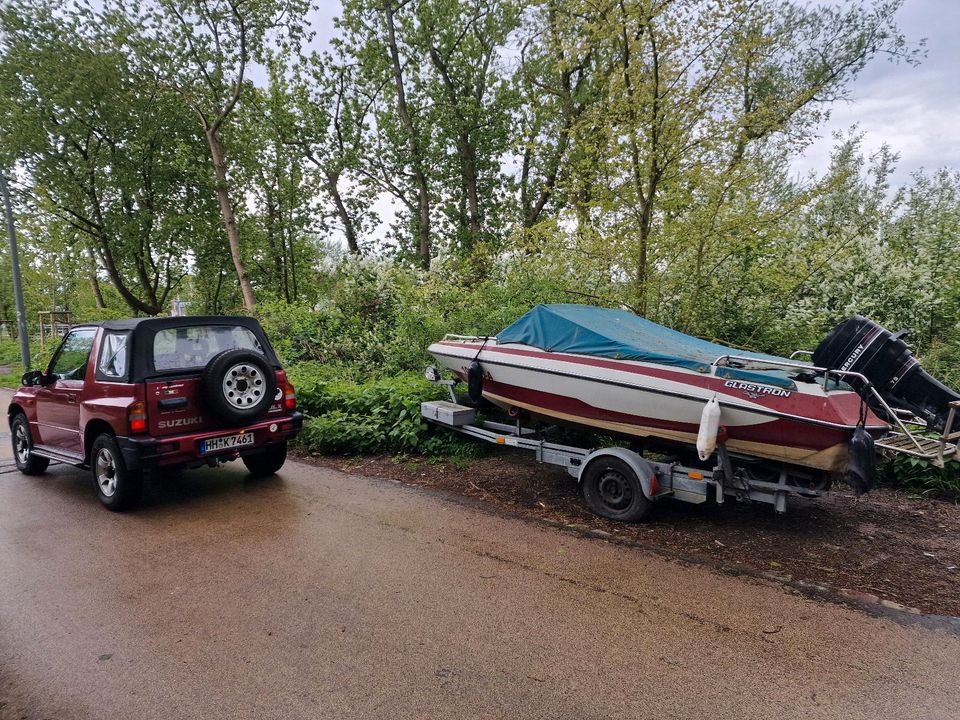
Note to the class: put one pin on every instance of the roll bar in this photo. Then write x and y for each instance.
(913, 447)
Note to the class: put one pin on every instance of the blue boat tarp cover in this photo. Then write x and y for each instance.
(604, 332)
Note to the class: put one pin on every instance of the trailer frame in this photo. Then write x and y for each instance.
(658, 479)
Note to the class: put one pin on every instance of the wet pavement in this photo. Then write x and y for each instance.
(317, 594)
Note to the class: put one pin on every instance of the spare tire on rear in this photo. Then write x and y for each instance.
(238, 386)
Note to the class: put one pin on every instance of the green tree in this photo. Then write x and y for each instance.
(926, 234)
(278, 218)
(392, 77)
(691, 92)
(104, 151)
(326, 119)
(473, 103)
(559, 77)
(204, 51)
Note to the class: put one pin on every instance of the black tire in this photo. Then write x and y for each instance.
(27, 462)
(612, 490)
(238, 386)
(268, 462)
(118, 487)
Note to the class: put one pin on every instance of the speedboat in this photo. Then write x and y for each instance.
(617, 373)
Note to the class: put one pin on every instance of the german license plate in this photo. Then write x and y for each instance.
(225, 442)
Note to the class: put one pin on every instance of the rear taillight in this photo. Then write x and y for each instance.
(138, 417)
(654, 485)
(289, 397)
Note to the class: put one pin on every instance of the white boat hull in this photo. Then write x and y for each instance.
(805, 426)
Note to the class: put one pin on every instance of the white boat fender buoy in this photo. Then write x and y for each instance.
(709, 427)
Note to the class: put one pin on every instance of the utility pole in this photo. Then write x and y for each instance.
(17, 285)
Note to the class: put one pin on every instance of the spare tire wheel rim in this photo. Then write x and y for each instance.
(243, 385)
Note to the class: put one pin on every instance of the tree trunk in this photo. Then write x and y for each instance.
(216, 294)
(413, 142)
(469, 154)
(293, 268)
(646, 199)
(348, 229)
(94, 282)
(279, 256)
(135, 303)
(229, 219)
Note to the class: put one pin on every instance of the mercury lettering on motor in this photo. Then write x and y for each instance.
(848, 363)
(755, 391)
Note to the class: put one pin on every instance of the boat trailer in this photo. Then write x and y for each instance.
(612, 467)
(614, 473)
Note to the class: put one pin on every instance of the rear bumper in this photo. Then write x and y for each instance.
(184, 450)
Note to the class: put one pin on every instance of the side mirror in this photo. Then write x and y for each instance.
(37, 377)
(31, 377)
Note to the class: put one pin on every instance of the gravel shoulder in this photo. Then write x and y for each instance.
(885, 547)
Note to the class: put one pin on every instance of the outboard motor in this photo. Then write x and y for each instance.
(860, 345)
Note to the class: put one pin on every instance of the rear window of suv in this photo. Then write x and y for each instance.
(186, 348)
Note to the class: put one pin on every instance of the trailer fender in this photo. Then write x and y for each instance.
(642, 467)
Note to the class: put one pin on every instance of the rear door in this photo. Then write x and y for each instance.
(174, 397)
(58, 404)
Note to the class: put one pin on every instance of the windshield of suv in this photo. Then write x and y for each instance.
(186, 348)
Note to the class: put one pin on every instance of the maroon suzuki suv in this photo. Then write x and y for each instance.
(129, 397)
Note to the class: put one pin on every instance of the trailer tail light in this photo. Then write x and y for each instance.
(289, 397)
(654, 485)
(138, 417)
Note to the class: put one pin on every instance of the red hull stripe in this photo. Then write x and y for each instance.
(840, 408)
(774, 432)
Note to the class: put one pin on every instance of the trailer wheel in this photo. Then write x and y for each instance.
(612, 490)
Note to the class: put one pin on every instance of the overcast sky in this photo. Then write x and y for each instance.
(916, 110)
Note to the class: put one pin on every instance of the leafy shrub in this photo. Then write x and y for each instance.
(378, 318)
(913, 473)
(372, 416)
(942, 360)
(10, 356)
(10, 352)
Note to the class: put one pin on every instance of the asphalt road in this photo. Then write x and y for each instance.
(321, 595)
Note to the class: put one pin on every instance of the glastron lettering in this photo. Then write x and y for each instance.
(757, 390)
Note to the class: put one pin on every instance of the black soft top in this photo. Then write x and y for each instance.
(143, 331)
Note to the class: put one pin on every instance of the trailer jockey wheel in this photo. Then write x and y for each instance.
(613, 490)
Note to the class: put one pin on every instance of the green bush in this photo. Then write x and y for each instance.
(912, 473)
(379, 319)
(369, 416)
(10, 357)
(10, 352)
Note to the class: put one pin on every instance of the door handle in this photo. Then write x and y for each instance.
(72, 399)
